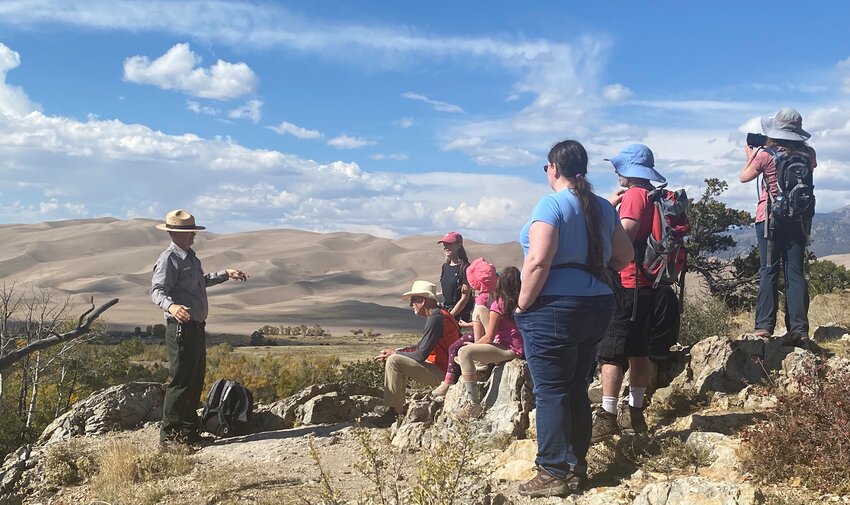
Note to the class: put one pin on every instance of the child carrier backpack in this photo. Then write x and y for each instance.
(795, 198)
(228, 410)
(663, 259)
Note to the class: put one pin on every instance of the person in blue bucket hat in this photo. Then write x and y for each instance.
(636, 160)
(633, 329)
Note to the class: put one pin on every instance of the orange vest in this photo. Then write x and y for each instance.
(440, 353)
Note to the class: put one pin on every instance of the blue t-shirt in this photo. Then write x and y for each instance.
(563, 211)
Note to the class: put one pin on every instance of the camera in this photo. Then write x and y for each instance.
(756, 139)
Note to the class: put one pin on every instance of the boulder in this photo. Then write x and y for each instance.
(334, 407)
(290, 410)
(516, 463)
(697, 491)
(122, 407)
(723, 452)
(726, 422)
(17, 472)
(828, 332)
(507, 399)
(728, 365)
(796, 365)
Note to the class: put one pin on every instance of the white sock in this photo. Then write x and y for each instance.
(609, 404)
(636, 397)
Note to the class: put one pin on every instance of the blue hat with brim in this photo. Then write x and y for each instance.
(636, 160)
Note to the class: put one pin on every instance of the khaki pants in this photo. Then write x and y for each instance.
(482, 353)
(400, 368)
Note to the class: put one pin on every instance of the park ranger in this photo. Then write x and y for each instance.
(179, 287)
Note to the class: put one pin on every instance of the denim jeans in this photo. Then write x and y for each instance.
(789, 246)
(561, 335)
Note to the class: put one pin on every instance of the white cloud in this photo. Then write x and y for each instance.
(199, 108)
(13, 100)
(702, 105)
(405, 122)
(391, 156)
(178, 69)
(485, 153)
(251, 110)
(287, 128)
(845, 67)
(616, 93)
(435, 104)
(345, 142)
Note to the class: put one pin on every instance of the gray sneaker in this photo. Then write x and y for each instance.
(604, 425)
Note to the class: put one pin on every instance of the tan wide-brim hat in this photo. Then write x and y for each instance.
(421, 288)
(179, 221)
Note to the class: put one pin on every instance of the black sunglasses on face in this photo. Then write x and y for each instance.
(546, 167)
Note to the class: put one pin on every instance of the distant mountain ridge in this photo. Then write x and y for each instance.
(830, 235)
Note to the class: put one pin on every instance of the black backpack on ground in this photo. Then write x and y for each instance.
(228, 410)
(795, 200)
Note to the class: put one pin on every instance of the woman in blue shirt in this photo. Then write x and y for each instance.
(571, 241)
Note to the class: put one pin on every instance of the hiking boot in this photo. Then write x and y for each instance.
(470, 410)
(632, 421)
(798, 340)
(381, 417)
(195, 439)
(604, 425)
(763, 333)
(175, 444)
(441, 390)
(577, 482)
(544, 484)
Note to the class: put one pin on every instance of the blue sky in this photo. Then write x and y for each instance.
(395, 118)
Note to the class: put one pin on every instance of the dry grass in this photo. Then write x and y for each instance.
(823, 309)
(346, 348)
(128, 472)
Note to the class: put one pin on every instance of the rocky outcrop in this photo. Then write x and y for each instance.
(697, 491)
(723, 453)
(320, 403)
(828, 332)
(122, 407)
(507, 399)
(334, 407)
(722, 364)
(506, 396)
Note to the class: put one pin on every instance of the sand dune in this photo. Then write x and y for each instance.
(839, 259)
(339, 280)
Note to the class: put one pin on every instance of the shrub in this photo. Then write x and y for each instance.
(368, 373)
(805, 438)
(703, 318)
(671, 454)
(66, 464)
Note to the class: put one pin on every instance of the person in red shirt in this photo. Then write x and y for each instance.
(425, 362)
(627, 342)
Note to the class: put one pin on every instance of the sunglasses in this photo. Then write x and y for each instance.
(546, 167)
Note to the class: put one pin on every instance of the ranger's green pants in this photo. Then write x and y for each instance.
(187, 361)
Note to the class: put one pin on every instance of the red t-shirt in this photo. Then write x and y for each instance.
(635, 206)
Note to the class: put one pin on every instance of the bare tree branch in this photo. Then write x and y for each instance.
(82, 328)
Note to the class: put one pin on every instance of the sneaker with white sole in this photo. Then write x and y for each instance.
(441, 390)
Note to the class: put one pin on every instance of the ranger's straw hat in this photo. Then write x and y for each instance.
(179, 221)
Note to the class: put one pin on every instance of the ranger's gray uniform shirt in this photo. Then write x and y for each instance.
(178, 278)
